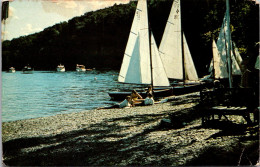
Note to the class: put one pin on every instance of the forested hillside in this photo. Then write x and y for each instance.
(98, 39)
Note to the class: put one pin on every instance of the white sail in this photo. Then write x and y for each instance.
(171, 47)
(190, 70)
(136, 59)
(220, 70)
(159, 75)
(221, 57)
(222, 48)
(136, 66)
(237, 55)
(235, 66)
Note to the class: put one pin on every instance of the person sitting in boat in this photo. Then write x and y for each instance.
(149, 100)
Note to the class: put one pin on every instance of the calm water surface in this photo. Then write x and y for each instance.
(45, 93)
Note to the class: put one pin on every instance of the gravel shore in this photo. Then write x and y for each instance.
(130, 136)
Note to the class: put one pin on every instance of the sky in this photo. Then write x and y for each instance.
(30, 16)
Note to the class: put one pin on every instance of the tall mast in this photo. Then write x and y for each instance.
(151, 64)
(229, 45)
(182, 49)
(213, 64)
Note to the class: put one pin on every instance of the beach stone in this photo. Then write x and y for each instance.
(127, 137)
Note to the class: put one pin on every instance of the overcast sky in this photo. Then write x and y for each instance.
(30, 16)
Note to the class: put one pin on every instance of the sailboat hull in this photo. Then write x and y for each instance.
(189, 88)
(80, 69)
(60, 69)
(119, 96)
(28, 72)
(11, 71)
(159, 92)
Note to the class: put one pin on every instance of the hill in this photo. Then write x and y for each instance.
(98, 39)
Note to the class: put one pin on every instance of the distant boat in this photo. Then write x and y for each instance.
(27, 69)
(80, 68)
(60, 68)
(142, 64)
(11, 70)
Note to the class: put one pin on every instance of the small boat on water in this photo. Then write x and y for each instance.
(27, 69)
(80, 68)
(11, 70)
(60, 68)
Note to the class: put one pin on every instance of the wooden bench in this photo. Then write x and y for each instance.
(227, 101)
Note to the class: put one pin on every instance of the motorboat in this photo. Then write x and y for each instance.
(60, 68)
(27, 69)
(80, 68)
(11, 70)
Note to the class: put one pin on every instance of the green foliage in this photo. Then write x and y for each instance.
(98, 39)
(244, 25)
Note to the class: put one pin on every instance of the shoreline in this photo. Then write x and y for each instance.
(75, 120)
(128, 136)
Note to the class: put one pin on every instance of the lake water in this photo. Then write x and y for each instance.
(46, 93)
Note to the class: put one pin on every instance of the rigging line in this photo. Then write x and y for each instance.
(161, 52)
(127, 55)
(170, 22)
(121, 76)
(133, 33)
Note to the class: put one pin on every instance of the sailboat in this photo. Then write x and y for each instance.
(175, 54)
(142, 63)
(219, 65)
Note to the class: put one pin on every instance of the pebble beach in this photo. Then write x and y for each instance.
(130, 136)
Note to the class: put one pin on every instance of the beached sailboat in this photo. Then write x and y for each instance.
(60, 68)
(175, 54)
(227, 99)
(219, 66)
(142, 63)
